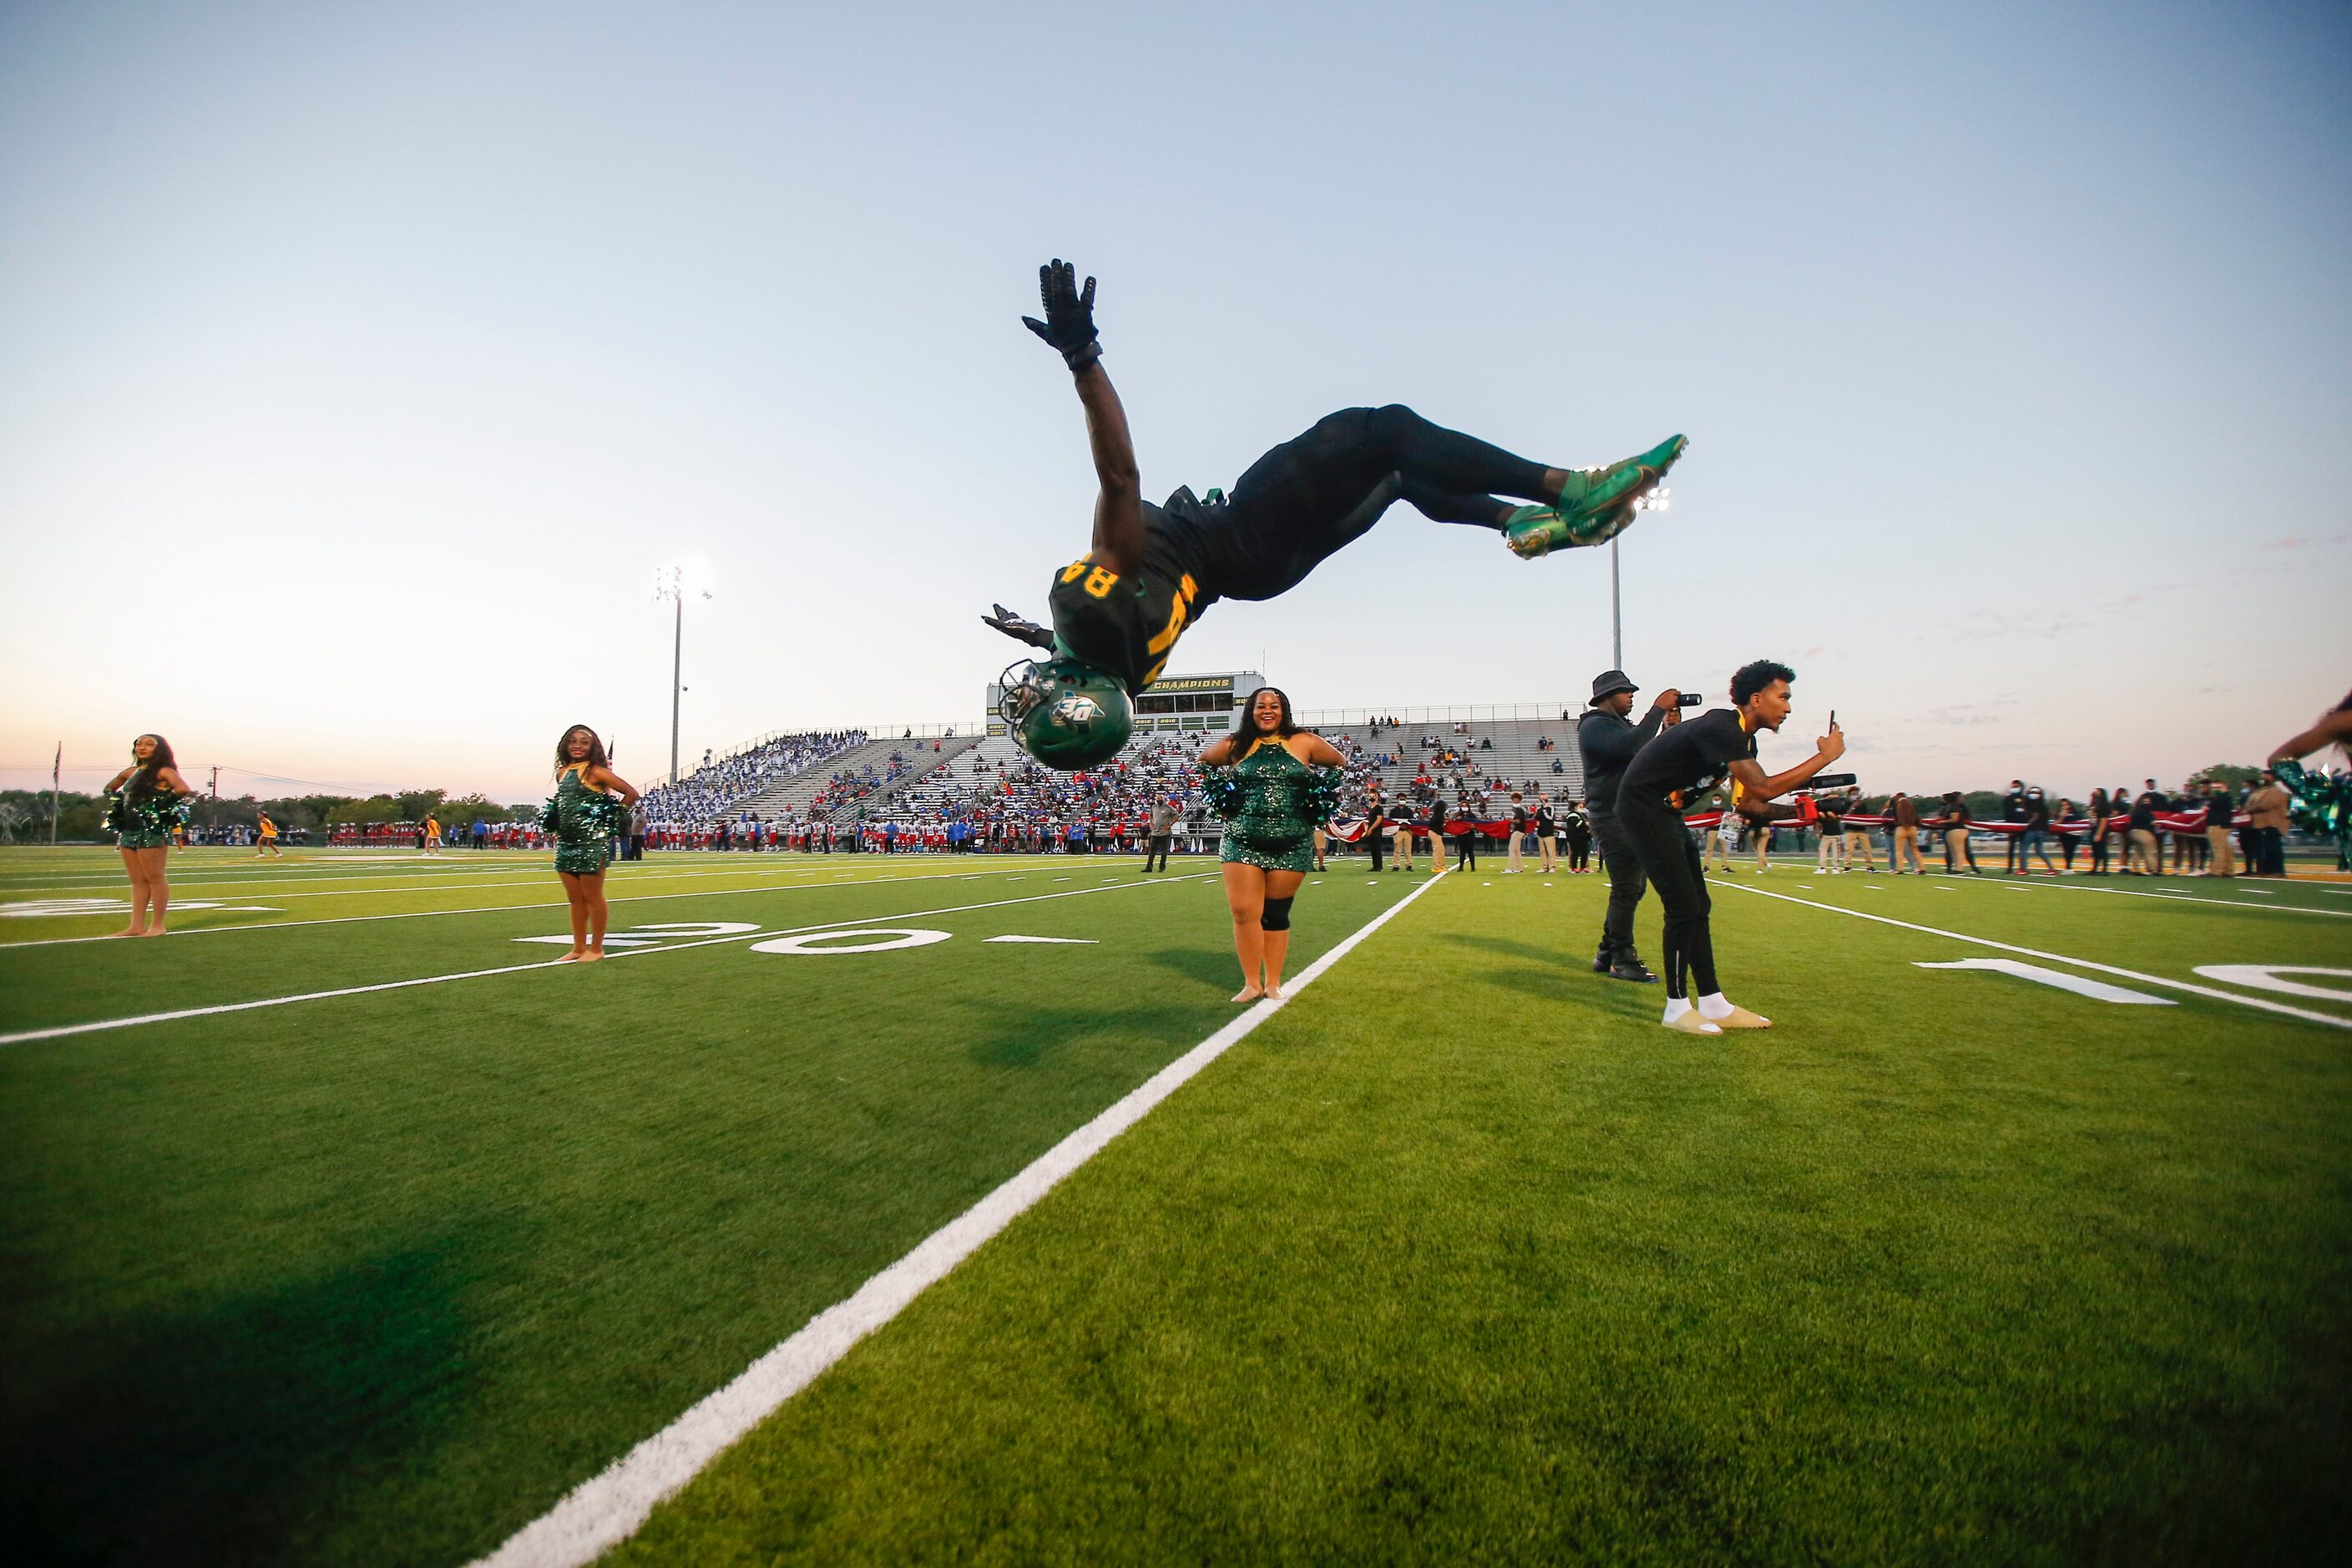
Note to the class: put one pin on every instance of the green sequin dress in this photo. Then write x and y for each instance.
(141, 822)
(583, 837)
(1271, 827)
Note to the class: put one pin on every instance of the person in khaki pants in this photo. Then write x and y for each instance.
(2268, 807)
(2147, 856)
(1905, 811)
(1857, 838)
(2221, 819)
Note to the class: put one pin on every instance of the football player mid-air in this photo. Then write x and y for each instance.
(1154, 569)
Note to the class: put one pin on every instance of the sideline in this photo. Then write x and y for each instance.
(601, 1513)
(535, 869)
(2054, 886)
(9, 947)
(2304, 1013)
(61, 1030)
(439, 884)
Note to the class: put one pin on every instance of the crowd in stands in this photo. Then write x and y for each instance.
(707, 792)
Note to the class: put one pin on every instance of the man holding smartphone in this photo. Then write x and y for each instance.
(1714, 746)
(1609, 740)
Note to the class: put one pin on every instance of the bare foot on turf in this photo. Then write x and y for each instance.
(1248, 993)
(127, 931)
(593, 955)
(574, 957)
(1275, 992)
(153, 931)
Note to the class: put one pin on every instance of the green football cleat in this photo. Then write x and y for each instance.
(1536, 530)
(1601, 489)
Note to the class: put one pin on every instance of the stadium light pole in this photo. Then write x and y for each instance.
(1616, 614)
(1658, 499)
(675, 583)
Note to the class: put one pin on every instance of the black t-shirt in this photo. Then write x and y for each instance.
(1127, 625)
(1547, 822)
(1609, 744)
(2218, 812)
(1833, 818)
(2143, 812)
(1692, 757)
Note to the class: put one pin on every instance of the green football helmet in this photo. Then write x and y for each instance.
(1066, 715)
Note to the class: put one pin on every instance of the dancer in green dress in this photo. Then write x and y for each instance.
(581, 818)
(1273, 785)
(145, 808)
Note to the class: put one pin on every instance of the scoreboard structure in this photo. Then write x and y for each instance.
(1205, 704)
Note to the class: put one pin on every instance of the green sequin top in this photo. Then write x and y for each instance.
(141, 821)
(584, 838)
(1272, 824)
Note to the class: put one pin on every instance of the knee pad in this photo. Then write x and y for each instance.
(1276, 916)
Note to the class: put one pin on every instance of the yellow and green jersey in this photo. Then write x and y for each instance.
(1126, 624)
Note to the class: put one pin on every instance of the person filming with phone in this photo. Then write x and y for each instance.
(1686, 762)
(1610, 741)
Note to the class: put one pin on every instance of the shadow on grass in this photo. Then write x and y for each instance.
(1561, 976)
(1030, 1035)
(225, 1434)
(1213, 967)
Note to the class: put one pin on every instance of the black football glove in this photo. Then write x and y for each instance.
(1019, 628)
(1069, 323)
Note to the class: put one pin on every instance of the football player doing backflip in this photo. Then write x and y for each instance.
(1119, 610)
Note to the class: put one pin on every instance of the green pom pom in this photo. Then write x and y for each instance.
(1223, 791)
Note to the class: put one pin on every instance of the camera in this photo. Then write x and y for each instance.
(1686, 697)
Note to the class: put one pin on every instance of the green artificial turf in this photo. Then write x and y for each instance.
(1458, 1257)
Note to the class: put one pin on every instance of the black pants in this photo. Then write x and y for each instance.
(1315, 494)
(1670, 859)
(2269, 852)
(1580, 850)
(1626, 881)
(1465, 851)
(1156, 848)
(1375, 832)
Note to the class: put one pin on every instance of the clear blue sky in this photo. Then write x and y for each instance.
(360, 365)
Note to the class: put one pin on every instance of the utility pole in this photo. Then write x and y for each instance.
(54, 768)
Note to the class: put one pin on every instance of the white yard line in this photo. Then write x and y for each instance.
(601, 1513)
(2061, 958)
(8, 947)
(62, 1030)
(2056, 887)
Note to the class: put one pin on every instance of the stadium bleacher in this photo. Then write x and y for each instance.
(849, 775)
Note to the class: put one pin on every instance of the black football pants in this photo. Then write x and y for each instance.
(1626, 881)
(1670, 858)
(1322, 490)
